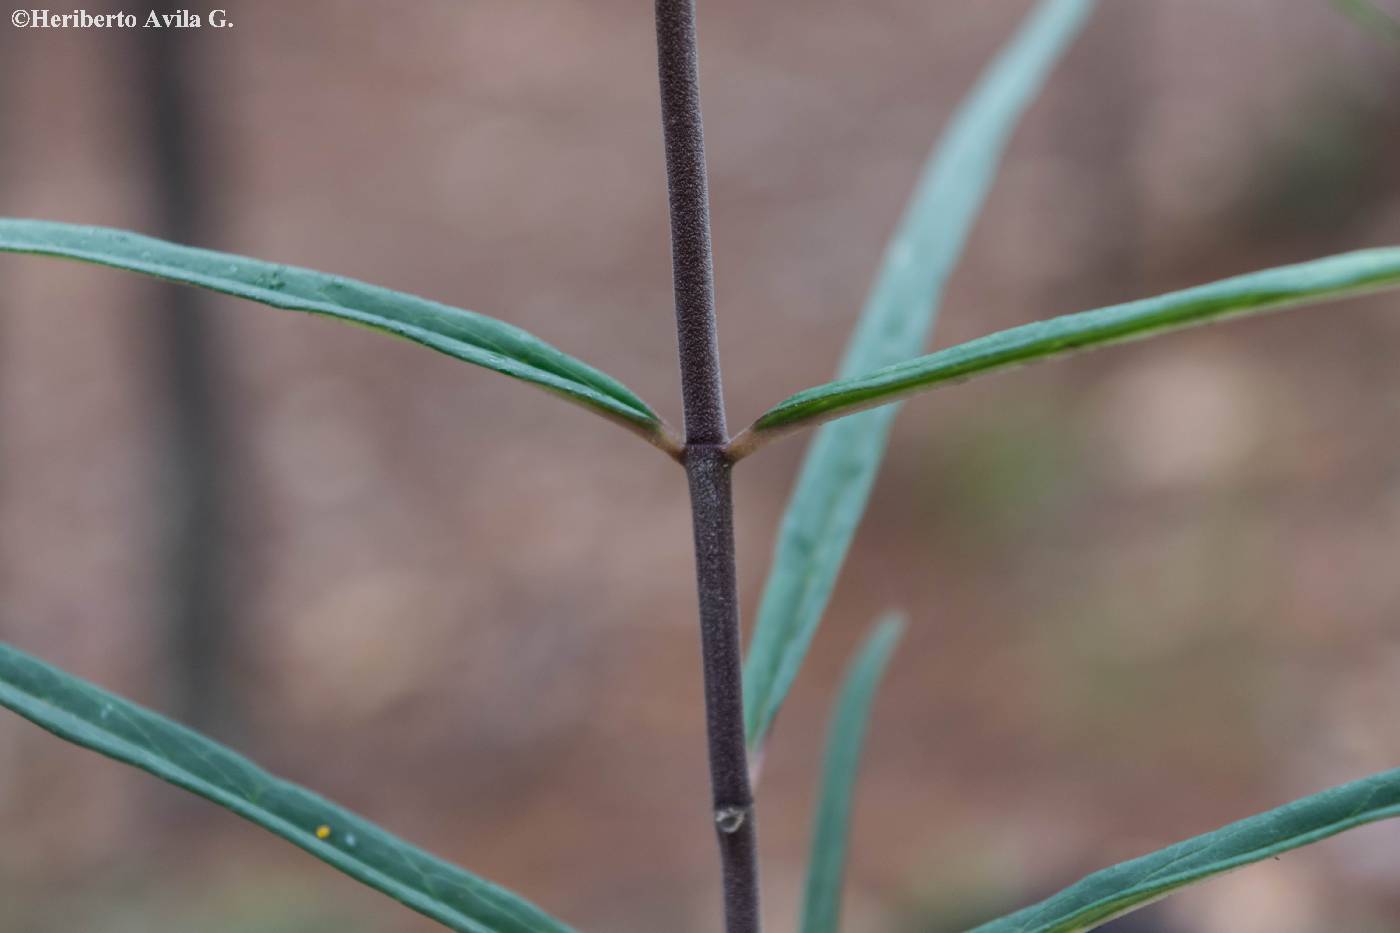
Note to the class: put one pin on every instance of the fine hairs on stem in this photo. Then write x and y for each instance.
(706, 463)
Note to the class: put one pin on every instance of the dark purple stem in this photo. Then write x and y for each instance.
(691, 260)
(708, 469)
(706, 464)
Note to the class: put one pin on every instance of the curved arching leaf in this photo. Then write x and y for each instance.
(839, 471)
(87, 715)
(465, 335)
(826, 867)
(1125, 887)
(1340, 276)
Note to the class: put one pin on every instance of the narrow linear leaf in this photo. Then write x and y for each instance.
(834, 484)
(821, 900)
(1125, 887)
(465, 335)
(1341, 276)
(86, 715)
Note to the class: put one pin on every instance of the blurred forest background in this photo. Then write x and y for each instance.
(1152, 589)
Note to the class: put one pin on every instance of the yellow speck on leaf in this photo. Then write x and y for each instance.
(323, 832)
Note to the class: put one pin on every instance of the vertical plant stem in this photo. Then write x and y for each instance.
(706, 464)
(692, 264)
(708, 469)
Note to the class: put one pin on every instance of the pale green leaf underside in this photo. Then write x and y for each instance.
(821, 900)
(465, 335)
(1309, 282)
(86, 715)
(1125, 887)
(834, 484)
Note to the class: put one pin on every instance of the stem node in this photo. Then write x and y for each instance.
(707, 463)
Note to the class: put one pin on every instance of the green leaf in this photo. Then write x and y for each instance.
(1125, 887)
(86, 715)
(1372, 19)
(832, 489)
(1310, 282)
(821, 902)
(465, 335)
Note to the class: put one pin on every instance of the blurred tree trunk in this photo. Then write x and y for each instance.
(191, 495)
(1102, 122)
